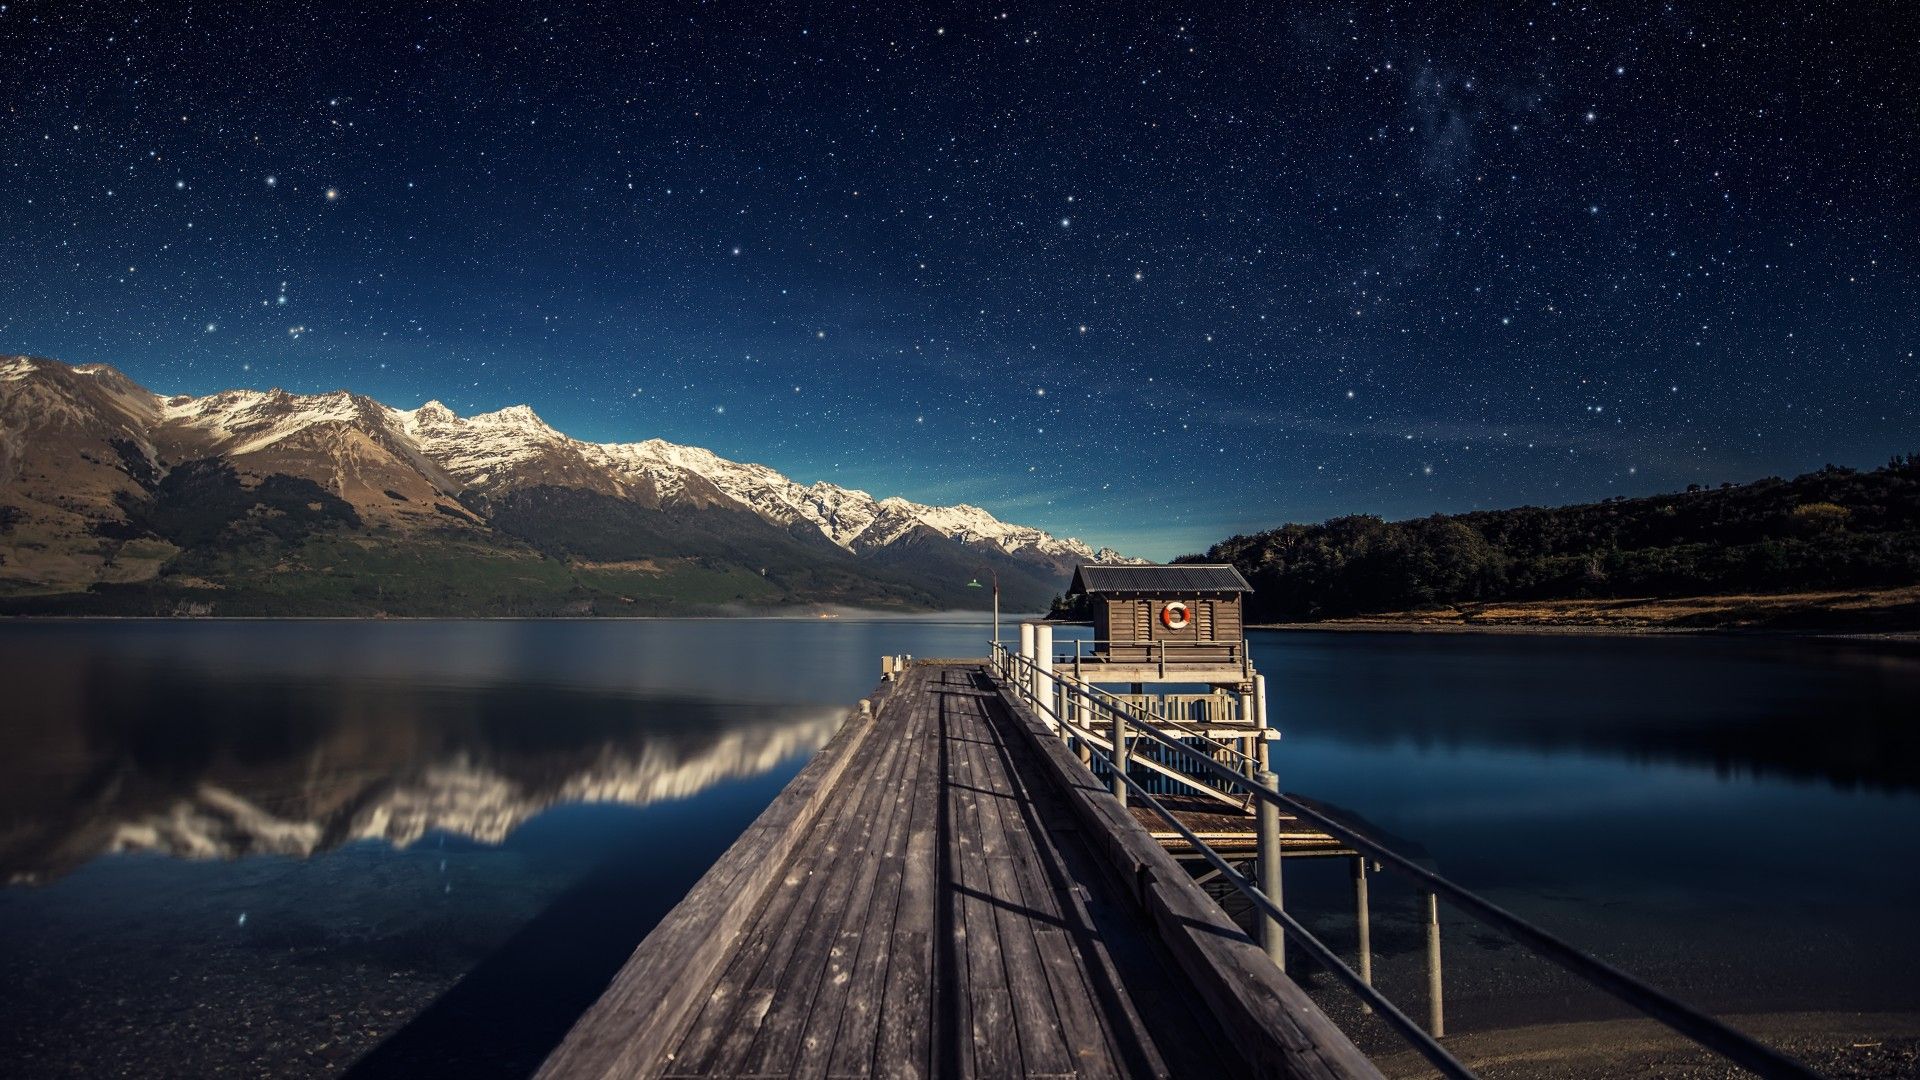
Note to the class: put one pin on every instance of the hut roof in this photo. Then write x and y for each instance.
(1185, 579)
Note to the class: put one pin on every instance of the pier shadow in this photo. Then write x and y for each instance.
(507, 1014)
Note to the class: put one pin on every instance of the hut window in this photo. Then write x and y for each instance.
(1143, 620)
(1204, 615)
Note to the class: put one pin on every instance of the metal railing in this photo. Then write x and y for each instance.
(1192, 743)
(1167, 656)
(1032, 684)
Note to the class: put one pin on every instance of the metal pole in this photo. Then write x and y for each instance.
(1260, 714)
(1120, 760)
(1043, 666)
(1267, 834)
(1079, 720)
(1436, 1009)
(1021, 677)
(1268, 825)
(1363, 918)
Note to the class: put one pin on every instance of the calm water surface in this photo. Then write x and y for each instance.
(421, 848)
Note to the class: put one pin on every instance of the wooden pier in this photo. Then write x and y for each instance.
(945, 890)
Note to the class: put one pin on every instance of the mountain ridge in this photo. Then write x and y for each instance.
(87, 454)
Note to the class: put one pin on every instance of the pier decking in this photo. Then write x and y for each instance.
(945, 891)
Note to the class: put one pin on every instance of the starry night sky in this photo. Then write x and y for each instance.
(1149, 276)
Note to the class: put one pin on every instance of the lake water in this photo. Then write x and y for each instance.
(411, 848)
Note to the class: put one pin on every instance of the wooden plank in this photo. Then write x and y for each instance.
(865, 928)
(625, 1031)
(715, 1020)
(858, 1023)
(908, 1025)
(1059, 926)
(748, 988)
(765, 1037)
(1037, 1022)
(985, 1005)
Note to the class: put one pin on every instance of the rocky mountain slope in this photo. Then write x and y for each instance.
(116, 499)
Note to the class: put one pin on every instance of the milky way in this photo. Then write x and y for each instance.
(1149, 276)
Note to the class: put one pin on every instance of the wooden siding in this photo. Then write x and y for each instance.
(1124, 620)
(1226, 620)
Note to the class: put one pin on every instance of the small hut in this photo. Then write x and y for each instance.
(1187, 604)
(1181, 620)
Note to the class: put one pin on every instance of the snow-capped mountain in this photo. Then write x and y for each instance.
(495, 449)
(430, 471)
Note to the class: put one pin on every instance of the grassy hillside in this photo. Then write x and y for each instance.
(1835, 529)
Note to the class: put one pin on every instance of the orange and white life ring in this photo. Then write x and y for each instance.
(1175, 616)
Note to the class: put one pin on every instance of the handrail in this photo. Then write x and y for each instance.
(1095, 738)
(1137, 715)
(1234, 648)
(1729, 1042)
(1423, 1042)
(1115, 700)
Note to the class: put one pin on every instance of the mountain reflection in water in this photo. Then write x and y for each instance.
(150, 761)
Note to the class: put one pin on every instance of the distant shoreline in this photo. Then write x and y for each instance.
(1866, 614)
(1340, 626)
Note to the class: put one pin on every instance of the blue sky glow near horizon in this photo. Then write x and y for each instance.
(1146, 275)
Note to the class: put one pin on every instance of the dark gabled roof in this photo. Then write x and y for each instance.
(1186, 579)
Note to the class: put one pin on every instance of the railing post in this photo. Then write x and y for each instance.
(1436, 1009)
(1043, 670)
(1363, 920)
(1260, 717)
(1267, 835)
(1119, 777)
(1022, 678)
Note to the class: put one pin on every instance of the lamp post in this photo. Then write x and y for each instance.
(996, 606)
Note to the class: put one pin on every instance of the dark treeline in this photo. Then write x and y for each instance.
(1836, 528)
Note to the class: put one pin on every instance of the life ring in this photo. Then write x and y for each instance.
(1175, 616)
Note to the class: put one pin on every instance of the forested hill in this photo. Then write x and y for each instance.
(1833, 529)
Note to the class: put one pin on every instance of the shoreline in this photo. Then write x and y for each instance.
(1364, 626)
(1855, 614)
